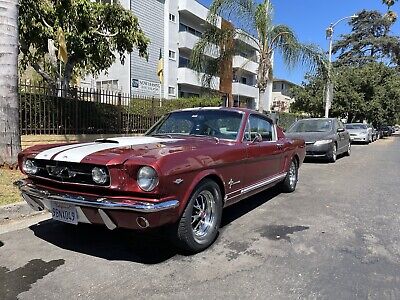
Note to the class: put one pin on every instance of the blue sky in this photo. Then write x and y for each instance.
(310, 18)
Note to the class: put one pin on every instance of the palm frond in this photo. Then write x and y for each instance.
(284, 41)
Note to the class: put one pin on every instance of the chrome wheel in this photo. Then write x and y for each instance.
(203, 215)
(292, 174)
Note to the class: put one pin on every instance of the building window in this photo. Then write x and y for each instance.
(172, 55)
(172, 18)
(243, 80)
(107, 1)
(183, 62)
(183, 27)
(110, 85)
(171, 91)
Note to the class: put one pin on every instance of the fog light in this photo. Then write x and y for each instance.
(99, 175)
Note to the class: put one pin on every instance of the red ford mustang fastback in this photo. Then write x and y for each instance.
(187, 167)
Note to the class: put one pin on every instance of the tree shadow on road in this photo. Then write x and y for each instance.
(125, 245)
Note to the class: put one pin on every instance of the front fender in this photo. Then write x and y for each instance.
(195, 181)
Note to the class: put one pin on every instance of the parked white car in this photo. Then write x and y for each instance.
(359, 132)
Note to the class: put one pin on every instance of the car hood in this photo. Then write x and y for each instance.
(117, 150)
(309, 137)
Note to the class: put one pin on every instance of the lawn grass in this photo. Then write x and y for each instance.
(8, 192)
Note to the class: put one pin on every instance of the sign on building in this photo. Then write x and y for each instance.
(145, 87)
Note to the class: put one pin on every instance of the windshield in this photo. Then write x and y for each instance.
(318, 125)
(356, 126)
(216, 123)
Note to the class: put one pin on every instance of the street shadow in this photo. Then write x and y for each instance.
(98, 241)
(237, 210)
(152, 247)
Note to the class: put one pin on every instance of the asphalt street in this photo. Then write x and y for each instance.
(336, 237)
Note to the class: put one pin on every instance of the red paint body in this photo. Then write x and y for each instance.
(191, 159)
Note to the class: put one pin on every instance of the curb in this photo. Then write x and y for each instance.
(16, 211)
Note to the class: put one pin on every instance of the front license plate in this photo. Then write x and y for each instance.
(64, 213)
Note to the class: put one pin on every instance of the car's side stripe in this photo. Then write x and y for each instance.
(262, 183)
(255, 186)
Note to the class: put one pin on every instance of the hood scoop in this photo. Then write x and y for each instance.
(106, 141)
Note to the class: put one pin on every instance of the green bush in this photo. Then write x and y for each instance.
(285, 120)
(157, 107)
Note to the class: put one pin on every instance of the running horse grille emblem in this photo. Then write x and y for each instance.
(61, 172)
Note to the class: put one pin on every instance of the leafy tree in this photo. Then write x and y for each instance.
(93, 32)
(254, 23)
(10, 140)
(391, 15)
(370, 92)
(369, 41)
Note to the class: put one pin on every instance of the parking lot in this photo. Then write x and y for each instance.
(336, 237)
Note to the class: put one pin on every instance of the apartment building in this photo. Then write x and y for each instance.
(174, 26)
(281, 95)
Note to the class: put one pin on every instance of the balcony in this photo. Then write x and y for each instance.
(239, 62)
(188, 41)
(190, 77)
(244, 37)
(244, 90)
(194, 10)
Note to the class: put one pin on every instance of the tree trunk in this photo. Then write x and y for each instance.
(262, 98)
(10, 139)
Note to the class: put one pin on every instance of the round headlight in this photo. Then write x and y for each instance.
(99, 175)
(29, 167)
(147, 178)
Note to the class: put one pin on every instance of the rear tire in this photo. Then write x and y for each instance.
(291, 179)
(198, 227)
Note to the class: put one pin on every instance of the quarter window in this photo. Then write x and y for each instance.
(261, 126)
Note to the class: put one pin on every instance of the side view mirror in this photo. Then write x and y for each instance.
(257, 138)
(341, 130)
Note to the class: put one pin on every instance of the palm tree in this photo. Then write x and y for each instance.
(10, 140)
(254, 24)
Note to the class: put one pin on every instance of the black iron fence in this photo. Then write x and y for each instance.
(48, 109)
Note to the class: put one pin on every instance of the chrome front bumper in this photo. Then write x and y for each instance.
(30, 192)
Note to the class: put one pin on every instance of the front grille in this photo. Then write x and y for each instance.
(67, 172)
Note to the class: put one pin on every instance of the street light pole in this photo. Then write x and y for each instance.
(329, 84)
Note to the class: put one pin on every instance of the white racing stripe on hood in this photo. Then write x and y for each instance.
(77, 154)
(49, 153)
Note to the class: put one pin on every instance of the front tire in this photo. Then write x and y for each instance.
(291, 179)
(198, 227)
(333, 155)
(348, 152)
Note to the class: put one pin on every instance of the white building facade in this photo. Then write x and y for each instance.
(281, 95)
(174, 27)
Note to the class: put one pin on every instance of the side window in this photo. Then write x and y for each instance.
(261, 126)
